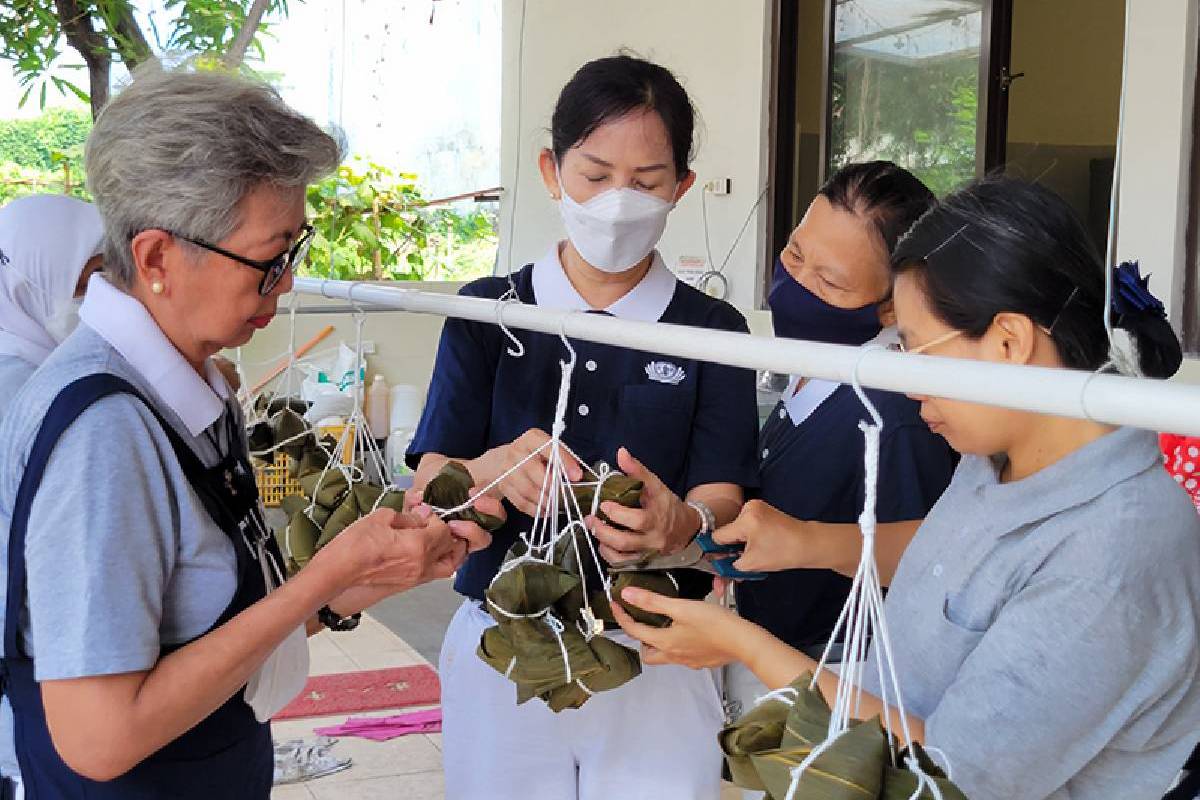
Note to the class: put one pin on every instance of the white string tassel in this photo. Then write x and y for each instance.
(862, 616)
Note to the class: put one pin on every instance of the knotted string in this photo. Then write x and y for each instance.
(863, 614)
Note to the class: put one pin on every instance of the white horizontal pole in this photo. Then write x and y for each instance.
(1117, 400)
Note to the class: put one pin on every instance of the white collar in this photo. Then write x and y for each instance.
(646, 302)
(125, 324)
(801, 404)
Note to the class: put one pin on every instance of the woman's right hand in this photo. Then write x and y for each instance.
(773, 540)
(394, 552)
(523, 487)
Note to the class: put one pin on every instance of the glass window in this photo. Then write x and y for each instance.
(906, 86)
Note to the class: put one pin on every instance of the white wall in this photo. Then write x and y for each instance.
(720, 51)
(1156, 144)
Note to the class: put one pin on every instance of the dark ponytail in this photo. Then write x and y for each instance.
(1005, 245)
(609, 88)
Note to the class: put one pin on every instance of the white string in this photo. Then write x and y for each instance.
(862, 615)
(786, 695)
(445, 512)
(557, 628)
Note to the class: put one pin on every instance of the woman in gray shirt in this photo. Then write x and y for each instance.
(1044, 620)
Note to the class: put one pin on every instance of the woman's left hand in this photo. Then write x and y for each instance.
(664, 524)
(701, 634)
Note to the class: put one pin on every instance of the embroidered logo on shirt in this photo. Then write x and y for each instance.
(3, 259)
(665, 372)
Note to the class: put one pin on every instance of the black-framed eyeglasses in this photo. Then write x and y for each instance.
(273, 269)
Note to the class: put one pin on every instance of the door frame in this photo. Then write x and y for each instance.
(995, 61)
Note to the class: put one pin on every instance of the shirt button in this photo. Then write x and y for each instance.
(766, 452)
(937, 570)
(583, 410)
(590, 366)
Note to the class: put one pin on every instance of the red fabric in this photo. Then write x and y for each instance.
(371, 690)
(1181, 457)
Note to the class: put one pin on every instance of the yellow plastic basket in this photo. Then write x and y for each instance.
(275, 481)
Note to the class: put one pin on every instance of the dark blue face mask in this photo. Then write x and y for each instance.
(797, 313)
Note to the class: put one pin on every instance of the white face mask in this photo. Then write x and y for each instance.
(64, 321)
(615, 229)
(283, 674)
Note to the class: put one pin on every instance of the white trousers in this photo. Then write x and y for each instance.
(653, 738)
(743, 689)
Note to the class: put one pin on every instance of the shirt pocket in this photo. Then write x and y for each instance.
(962, 610)
(656, 427)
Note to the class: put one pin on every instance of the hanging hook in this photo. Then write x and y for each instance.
(360, 313)
(562, 334)
(858, 389)
(509, 296)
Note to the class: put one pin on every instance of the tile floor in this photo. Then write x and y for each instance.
(407, 768)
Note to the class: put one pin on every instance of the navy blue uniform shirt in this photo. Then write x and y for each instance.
(689, 422)
(812, 469)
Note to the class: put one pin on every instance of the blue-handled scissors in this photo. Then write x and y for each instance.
(704, 553)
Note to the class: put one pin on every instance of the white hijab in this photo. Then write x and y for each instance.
(45, 242)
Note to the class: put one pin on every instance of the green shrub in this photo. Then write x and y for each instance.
(44, 142)
(372, 224)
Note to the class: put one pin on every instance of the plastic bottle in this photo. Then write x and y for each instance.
(376, 407)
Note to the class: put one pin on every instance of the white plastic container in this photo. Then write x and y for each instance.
(406, 406)
(376, 407)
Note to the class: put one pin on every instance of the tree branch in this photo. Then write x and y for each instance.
(92, 45)
(241, 43)
(131, 43)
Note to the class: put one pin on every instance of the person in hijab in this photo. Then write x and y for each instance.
(49, 246)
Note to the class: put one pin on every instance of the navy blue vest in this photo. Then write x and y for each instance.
(229, 753)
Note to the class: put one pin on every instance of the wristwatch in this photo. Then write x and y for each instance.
(330, 619)
(708, 520)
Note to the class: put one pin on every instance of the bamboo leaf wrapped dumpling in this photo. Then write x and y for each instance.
(345, 515)
(292, 434)
(851, 768)
(450, 488)
(299, 541)
(900, 783)
(759, 730)
(617, 488)
(327, 488)
(528, 588)
(392, 498)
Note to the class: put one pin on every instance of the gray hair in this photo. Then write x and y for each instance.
(179, 149)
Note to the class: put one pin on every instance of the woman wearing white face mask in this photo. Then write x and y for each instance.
(49, 246)
(621, 139)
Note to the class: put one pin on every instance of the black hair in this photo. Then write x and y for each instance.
(1007, 245)
(891, 197)
(609, 88)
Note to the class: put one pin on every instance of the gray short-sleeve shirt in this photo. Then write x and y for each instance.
(121, 555)
(1046, 629)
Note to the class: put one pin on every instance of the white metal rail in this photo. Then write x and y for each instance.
(1139, 402)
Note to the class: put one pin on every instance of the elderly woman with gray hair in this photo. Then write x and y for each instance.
(145, 643)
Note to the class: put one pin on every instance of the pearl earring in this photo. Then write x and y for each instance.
(156, 287)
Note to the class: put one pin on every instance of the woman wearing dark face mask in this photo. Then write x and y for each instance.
(832, 283)
(618, 162)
